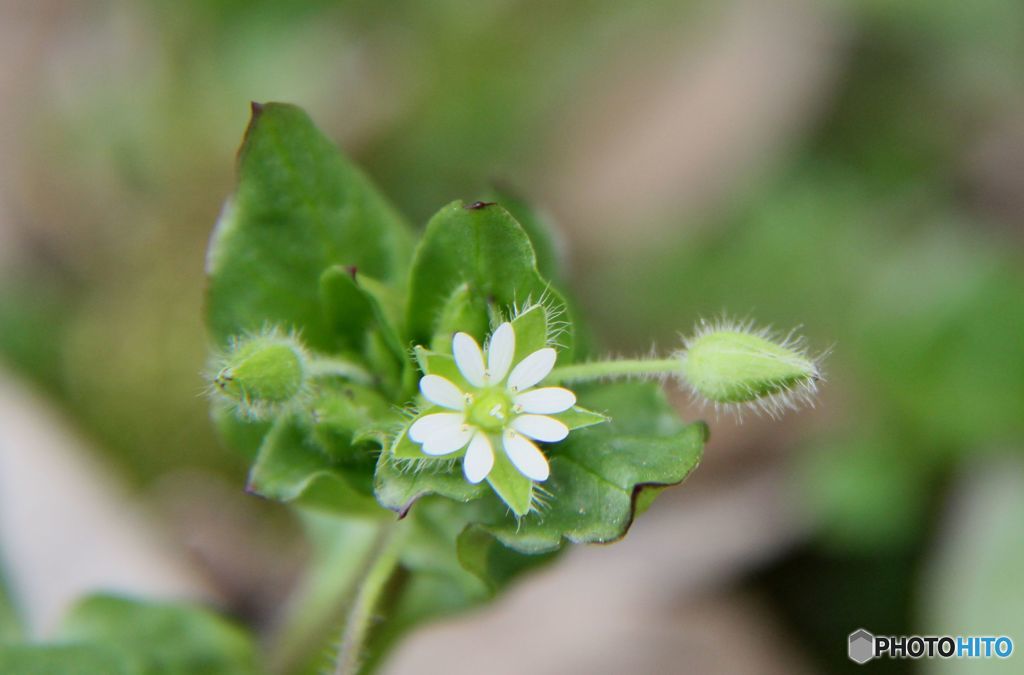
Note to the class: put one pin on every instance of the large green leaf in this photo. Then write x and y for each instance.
(299, 208)
(487, 251)
(543, 235)
(599, 473)
(155, 638)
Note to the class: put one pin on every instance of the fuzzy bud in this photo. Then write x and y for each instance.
(734, 364)
(262, 373)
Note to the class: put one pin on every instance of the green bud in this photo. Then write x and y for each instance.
(736, 365)
(262, 373)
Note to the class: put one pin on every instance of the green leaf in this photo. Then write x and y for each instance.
(159, 638)
(299, 208)
(347, 418)
(539, 227)
(399, 483)
(491, 561)
(355, 304)
(86, 659)
(289, 468)
(598, 473)
(484, 249)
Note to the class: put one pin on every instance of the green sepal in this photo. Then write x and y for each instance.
(578, 418)
(532, 332)
(515, 489)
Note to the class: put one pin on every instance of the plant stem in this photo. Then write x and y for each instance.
(381, 562)
(596, 370)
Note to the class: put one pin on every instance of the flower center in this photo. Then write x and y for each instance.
(490, 409)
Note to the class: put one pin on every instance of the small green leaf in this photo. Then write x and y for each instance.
(171, 638)
(300, 207)
(347, 310)
(289, 468)
(484, 249)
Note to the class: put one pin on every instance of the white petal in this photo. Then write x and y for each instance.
(479, 458)
(526, 456)
(469, 358)
(448, 440)
(546, 400)
(431, 425)
(540, 428)
(500, 352)
(532, 369)
(442, 392)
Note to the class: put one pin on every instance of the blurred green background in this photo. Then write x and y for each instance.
(855, 167)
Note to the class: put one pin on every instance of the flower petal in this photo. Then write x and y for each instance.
(546, 400)
(540, 428)
(469, 358)
(526, 456)
(532, 369)
(442, 392)
(431, 425)
(479, 458)
(448, 440)
(500, 352)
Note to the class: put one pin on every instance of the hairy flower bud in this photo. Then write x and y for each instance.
(734, 364)
(262, 373)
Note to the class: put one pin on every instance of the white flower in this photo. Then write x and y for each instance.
(495, 406)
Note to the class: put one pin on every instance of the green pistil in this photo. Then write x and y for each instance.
(490, 410)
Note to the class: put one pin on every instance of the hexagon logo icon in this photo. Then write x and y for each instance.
(862, 646)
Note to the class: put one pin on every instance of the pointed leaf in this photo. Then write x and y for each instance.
(300, 207)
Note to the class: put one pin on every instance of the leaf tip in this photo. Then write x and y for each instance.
(476, 206)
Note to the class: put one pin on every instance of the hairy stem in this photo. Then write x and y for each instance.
(380, 565)
(597, 370)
